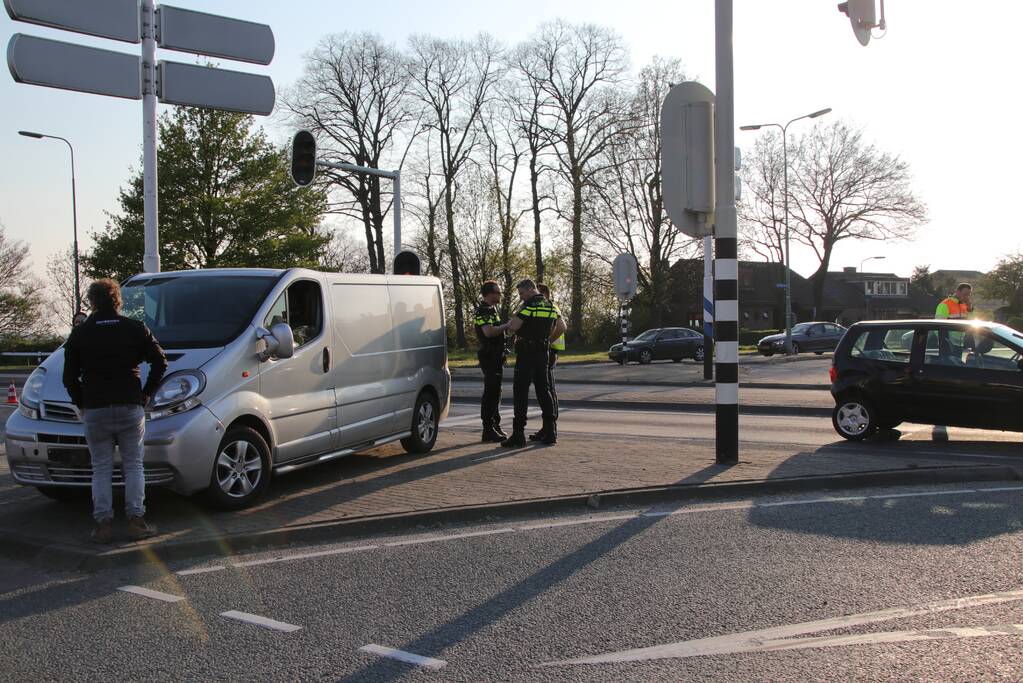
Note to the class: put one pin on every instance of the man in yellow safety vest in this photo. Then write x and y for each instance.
(957, 306)
(557, 346)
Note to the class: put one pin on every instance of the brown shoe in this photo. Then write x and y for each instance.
(103, 532)
(139, 530)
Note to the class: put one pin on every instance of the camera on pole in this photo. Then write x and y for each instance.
(303, 158)
(407, 263)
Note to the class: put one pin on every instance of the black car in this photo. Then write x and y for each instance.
(668, 343)
(817, 337)
(960, 373)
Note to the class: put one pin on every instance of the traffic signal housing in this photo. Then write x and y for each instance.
(407, 263)
(303, 158)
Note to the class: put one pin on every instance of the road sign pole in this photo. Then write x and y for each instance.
(726, 267)
(151, 259)
(708, 308)
(396, 208)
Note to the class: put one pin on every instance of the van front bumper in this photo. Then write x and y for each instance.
(179, 451)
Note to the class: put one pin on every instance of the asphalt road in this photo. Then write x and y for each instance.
(913, 584)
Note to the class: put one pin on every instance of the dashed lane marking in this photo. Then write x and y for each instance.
(402, 656)
(257, 620)
(597, 519)
(148, 593)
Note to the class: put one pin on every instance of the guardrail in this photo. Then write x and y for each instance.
(37, 356)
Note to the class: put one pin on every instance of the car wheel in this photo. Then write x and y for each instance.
(646, 356)
(698, 355)
(768, 354)
(854, 419)
(66, 494)
(425, 417)
(818, 353)
(241, 470)
(795, 348)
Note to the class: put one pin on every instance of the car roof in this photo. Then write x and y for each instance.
(926, 322)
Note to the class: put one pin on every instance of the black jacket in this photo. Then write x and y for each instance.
(101, 362)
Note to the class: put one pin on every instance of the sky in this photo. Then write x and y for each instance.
(930, 91)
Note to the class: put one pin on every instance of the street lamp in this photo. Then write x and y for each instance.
(870, 258)
(74, 207)
(788, 253)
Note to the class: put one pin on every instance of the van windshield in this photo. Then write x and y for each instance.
(194, 312)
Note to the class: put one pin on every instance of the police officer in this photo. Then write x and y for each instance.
(557, 346)
(535, 324)
(491, 354)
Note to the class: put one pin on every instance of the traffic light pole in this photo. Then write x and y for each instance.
(151, 257)
(393, 175)
(708, 308)
(726, 266)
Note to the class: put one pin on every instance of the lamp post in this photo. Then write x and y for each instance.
(74, 207)
(870, 258)
(788, 254)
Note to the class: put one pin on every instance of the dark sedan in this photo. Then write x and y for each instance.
(816, 337)
(668, 343)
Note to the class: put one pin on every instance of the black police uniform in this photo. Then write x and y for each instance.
(532, 349)
(491, 356)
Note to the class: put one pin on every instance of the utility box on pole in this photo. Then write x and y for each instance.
(687, 158)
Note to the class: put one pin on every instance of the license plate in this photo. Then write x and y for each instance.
(77, 457)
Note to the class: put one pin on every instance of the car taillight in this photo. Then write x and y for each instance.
(833, 373)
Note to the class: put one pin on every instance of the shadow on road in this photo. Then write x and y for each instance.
(495, 608)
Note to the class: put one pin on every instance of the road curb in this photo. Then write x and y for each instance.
(673, 406)
(67, 557)
(459, 378)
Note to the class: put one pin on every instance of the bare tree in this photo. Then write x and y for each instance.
(342, 254)
(354, 93)
(582, 66)
(843, 188)
(21, 304)
(60, 271)
(761, 211)
(424, 197)
(531, 111)
(630, 191)
(454, 81)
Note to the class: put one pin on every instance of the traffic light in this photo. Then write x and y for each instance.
(406, 263)
(303, 158)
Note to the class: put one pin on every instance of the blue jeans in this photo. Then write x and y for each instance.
(125, 427)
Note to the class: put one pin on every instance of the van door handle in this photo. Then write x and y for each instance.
(326, 359)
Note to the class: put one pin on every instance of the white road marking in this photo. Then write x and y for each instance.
(201, 570)
(944, 633)
(402, 656)
(260, 621)
(740, 642)
(147, 593)
(576, 521)
(449, 537)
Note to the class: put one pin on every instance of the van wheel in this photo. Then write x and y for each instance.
(854, 419)
(66, 494)
(241, 469)
(424, 425)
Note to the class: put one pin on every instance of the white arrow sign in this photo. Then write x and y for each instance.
(202, 86)
(208, 34)
(115, 19)
(55, 64)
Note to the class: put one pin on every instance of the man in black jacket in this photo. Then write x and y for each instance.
(101, 374)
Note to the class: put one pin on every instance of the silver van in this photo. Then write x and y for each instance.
(269, 371)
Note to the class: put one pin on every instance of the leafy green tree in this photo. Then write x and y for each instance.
(226, 200)
(1006, 282)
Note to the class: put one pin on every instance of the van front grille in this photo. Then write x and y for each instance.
(56, 473)
(60, 412)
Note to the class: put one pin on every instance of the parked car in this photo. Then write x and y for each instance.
(270, 371)
(961, 373)
(815, 336)
(668, 343)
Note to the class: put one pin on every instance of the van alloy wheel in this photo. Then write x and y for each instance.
(239, 469)
(426, 422)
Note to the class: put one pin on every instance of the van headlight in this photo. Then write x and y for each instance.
(178, 392)
(32, 394)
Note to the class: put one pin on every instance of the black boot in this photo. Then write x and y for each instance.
(539, 436)
(550, 434)
(516, 440)
(500, 432)
(493, 436)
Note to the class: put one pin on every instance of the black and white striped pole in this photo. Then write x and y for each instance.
(726, 265)
(624, 315)
(625, 272)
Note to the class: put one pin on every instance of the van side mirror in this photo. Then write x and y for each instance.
(280, 342)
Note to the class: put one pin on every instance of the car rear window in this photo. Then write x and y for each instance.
(888, 344)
